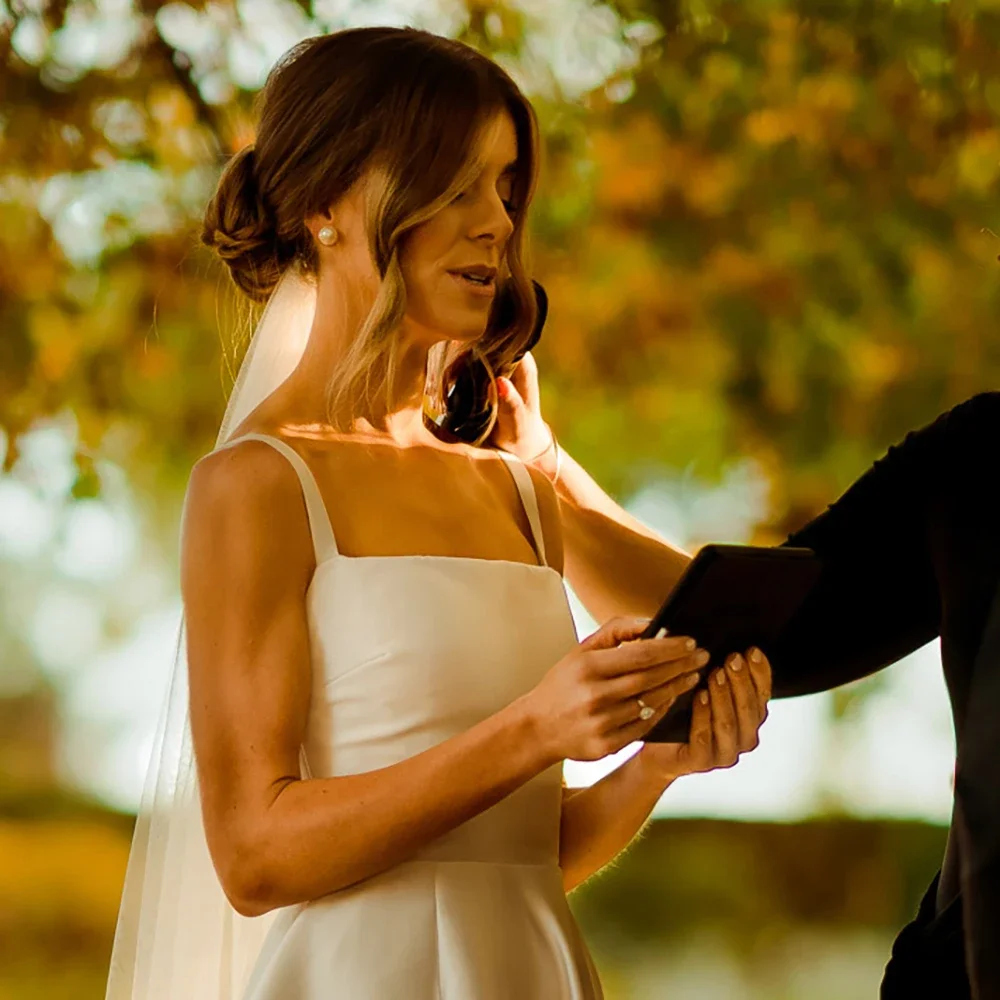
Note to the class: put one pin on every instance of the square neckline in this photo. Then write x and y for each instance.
(440, 556)
(420, 557)
(324, 541)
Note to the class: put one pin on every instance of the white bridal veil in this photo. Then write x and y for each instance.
(178, 938)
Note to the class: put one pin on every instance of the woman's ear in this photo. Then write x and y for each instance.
(318, 221)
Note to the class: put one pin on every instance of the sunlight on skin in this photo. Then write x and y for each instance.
(894, 759)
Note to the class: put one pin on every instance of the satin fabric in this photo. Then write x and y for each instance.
(408, 651)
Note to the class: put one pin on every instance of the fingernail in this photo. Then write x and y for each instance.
(756, 655)
(736, 663)
(720, 677)
(703, 697)
(690, 644)
(642, 621)
(692, 680)
(701, 657)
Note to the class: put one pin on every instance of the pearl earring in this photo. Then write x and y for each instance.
(327, 235)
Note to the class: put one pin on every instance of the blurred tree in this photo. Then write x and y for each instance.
(116, 121)
(759, 892)
(768, 233)
(786, 249)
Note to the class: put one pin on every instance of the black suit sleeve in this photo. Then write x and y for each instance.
(877, 598)
(977, 816)
(922, 522)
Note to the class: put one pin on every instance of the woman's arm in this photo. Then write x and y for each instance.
(877, 599)
(613, 562)
(599, 822)
(278, 839)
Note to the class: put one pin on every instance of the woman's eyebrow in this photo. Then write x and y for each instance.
(507, 170)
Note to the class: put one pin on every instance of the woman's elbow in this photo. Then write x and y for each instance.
(248, 901)
(245, 906)
(246, 883)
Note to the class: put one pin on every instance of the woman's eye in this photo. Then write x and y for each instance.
(507, 203)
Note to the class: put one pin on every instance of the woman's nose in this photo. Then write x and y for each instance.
(494, 221)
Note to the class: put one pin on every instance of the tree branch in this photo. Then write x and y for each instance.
(178, 66)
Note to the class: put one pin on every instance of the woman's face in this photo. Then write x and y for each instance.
(469, 233)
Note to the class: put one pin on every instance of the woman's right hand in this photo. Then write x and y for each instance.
(586, 706)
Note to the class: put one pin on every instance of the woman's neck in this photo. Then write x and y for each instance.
(304, 396)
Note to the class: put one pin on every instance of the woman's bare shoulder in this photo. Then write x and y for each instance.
(249, 473)
(245, 502)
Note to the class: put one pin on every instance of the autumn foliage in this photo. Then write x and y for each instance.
(769, 234)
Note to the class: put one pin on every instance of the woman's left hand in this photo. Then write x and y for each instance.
(520, 428)
(726, 719)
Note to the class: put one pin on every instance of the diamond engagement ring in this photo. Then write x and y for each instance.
(645, 712)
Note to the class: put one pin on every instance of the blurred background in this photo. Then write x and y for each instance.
(768, 234)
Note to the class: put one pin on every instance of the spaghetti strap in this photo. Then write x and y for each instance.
(324, 542)
(526, 488)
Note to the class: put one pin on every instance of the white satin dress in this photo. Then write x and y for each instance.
(408, 651)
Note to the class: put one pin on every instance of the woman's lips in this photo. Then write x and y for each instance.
(486, 290)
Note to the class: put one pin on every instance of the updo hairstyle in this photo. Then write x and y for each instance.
(409, 104)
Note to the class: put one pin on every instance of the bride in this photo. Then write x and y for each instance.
(357, 787)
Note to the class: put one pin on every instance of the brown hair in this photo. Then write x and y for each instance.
(410, 104)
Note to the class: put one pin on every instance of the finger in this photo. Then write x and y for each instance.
(620, 631)
(696, 754)
(634, 730)
(509, 395)
(642, 655)
(659, 699)
(745, 703)
(505, 431)
(525, 379)
(615, 631)
(700, 735)
(723, 718)
(760, 673)
(639, 683)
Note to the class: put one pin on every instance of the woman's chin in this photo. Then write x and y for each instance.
(468, 331)
(464, 325)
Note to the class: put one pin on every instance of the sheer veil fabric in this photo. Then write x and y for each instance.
(178, 937)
